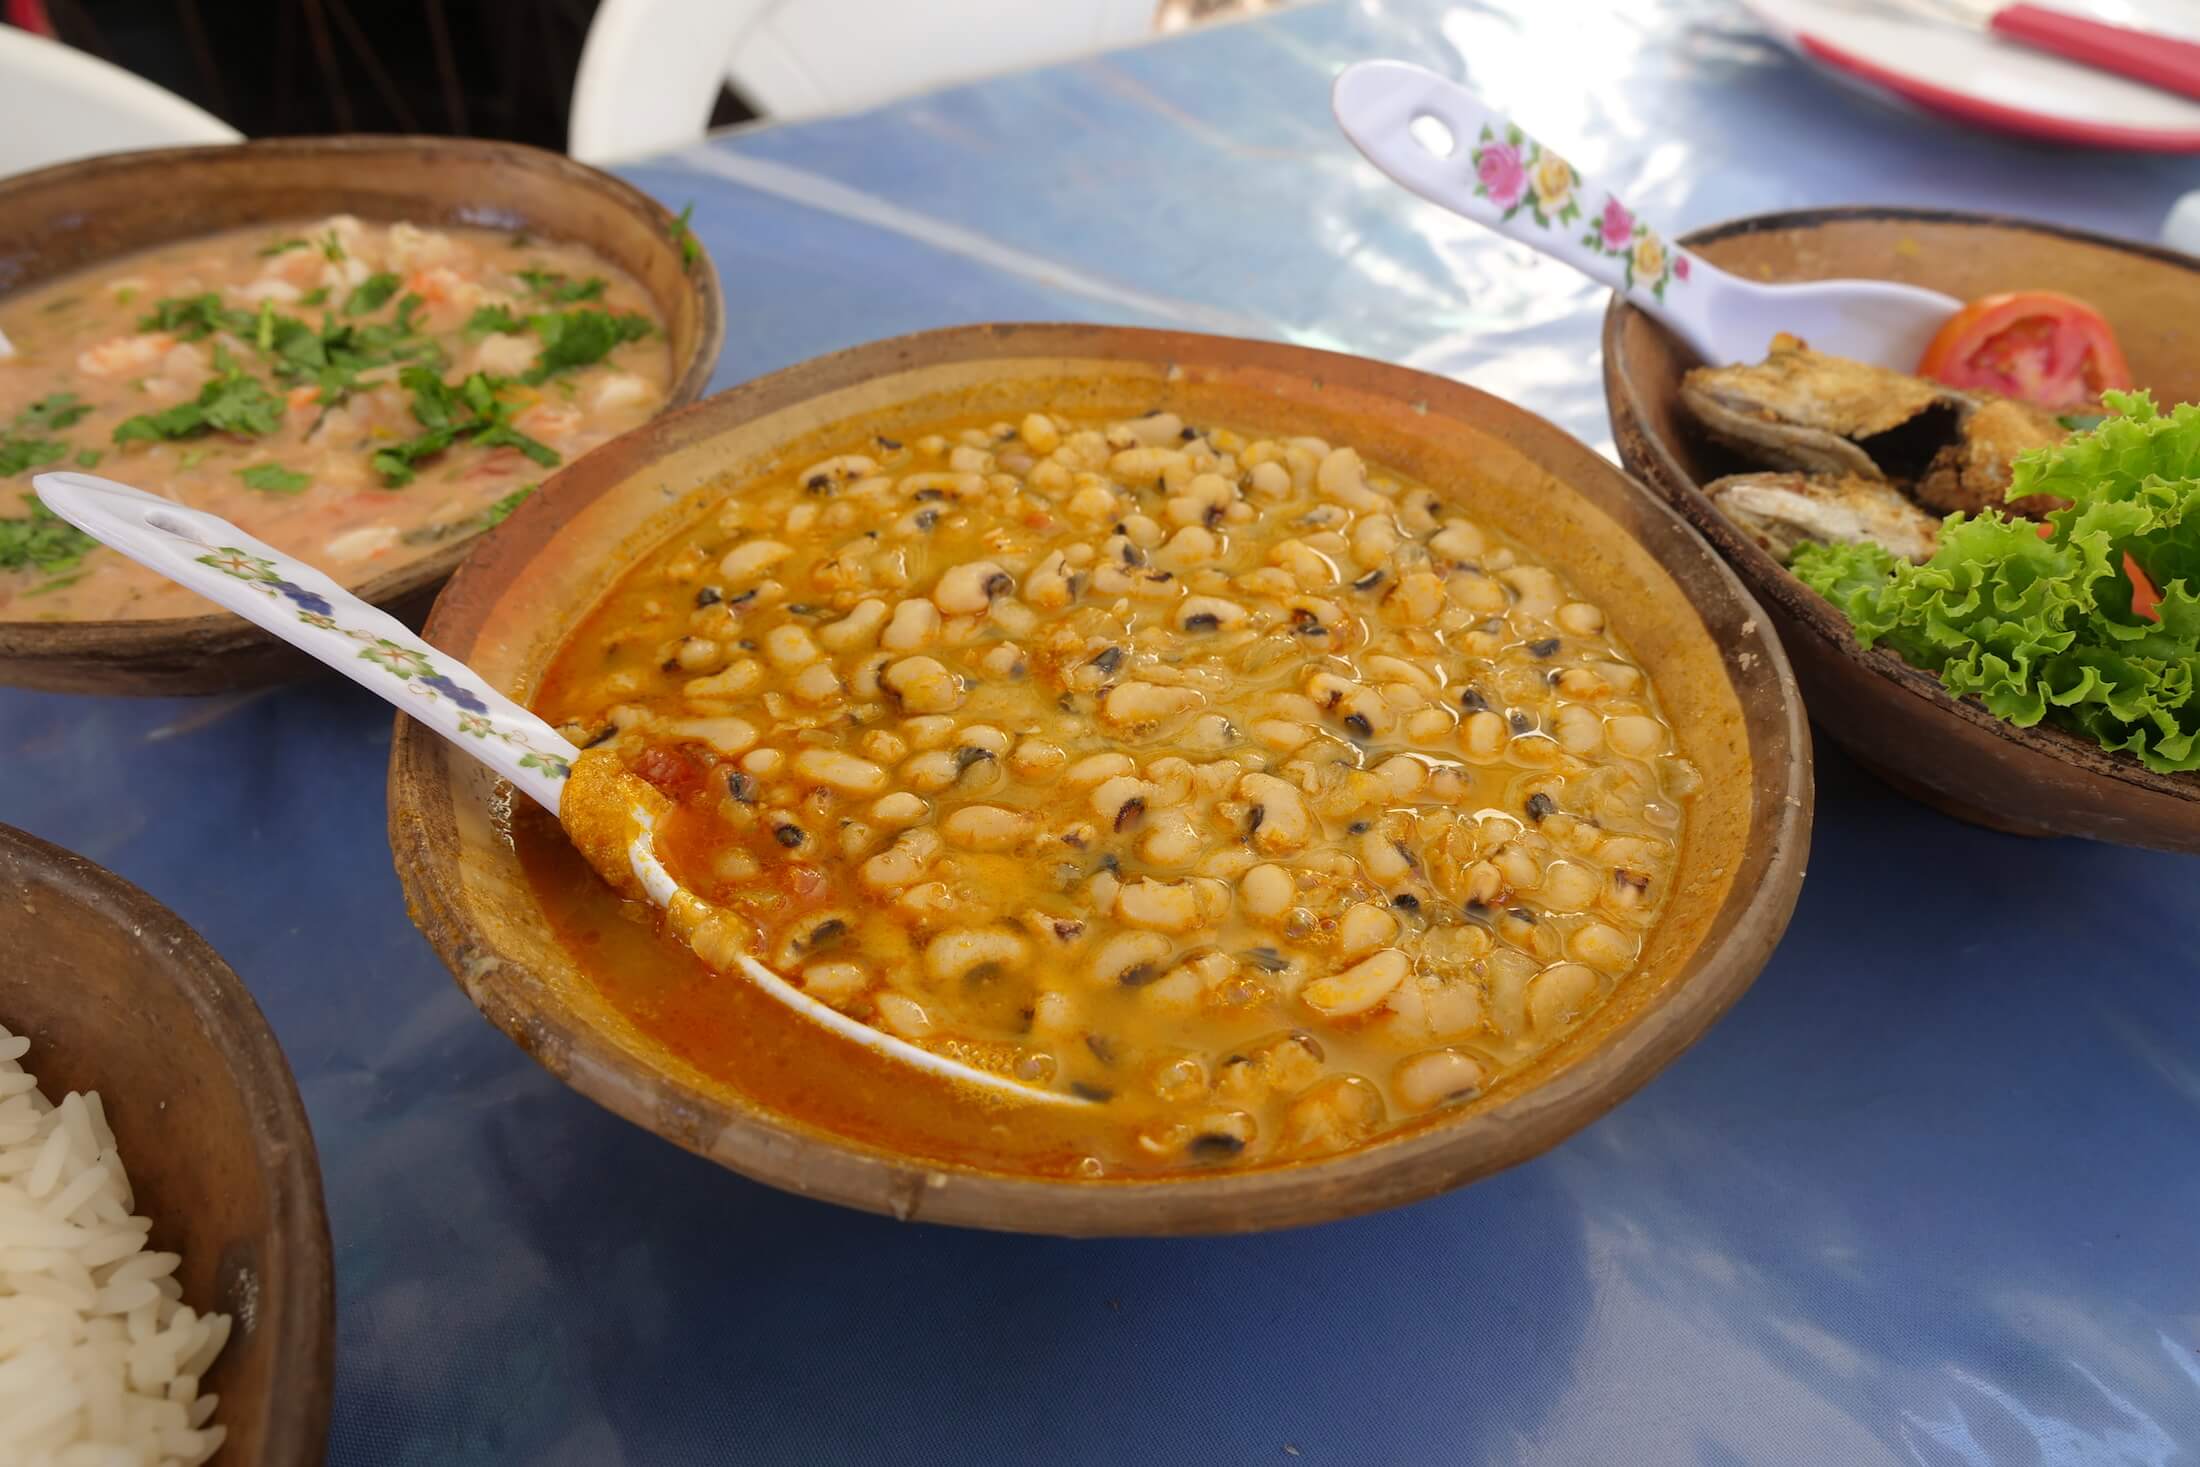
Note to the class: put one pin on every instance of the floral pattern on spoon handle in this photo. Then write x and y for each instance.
(1495, 174)
(311, 612)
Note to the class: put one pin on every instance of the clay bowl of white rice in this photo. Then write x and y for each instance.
(165, 1287)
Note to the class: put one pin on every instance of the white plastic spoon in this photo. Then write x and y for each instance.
(311, 612)
(1435, 137)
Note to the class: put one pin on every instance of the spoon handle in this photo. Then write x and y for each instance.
(1437, 138)
(303, 607)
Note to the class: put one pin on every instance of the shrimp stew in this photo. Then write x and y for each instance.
(1260, 797)
(353, 393)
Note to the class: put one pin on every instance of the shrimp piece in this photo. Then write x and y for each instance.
(547, 420)
(122, 355)
(620, 390)
(504, 354)
(267, 288)
(414, 249)
(444, 286)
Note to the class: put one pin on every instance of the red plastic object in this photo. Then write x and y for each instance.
(2146, 56)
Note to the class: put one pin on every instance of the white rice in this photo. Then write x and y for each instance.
(99, 1357)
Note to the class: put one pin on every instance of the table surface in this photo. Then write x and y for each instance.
(1930, 1194)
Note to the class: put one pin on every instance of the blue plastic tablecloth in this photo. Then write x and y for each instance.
(1931, 1194)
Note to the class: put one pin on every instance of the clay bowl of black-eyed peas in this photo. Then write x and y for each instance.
(1297, 785)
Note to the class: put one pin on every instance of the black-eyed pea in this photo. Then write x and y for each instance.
(1189, 548)
(816, 685)
(1280, 734)
(1578, 730)
(1094, 504)
(1039, 434)
(1162, 906)
(928, 901)
(1120, 800)
(1416, 598)
(931, 771)
(1437, 1077)
(914, 623)
(1047, 586)
(1380, 856)
(1271, 581)
(901, 864)
(1278, 819)
(1364, 927)
(763, 763)
(859, 628)
(922, 685)
(1508, 971)
(969, 588)
(1131, 959)
(1559, 994)
(1312, 570)
(968, 458)
(1580, 682)
(750, 559)
(1229, 864)
(1207, 613)
(842, 772)
(1635, 735)
(1386, 669)
(1373, 539)
(1094, 768)
(1171, 839)
(863, 681)
(1332, 1115)
(899, 808)
(955, 954)
(1342, 477)
(1358, 988)
(742, 677)
(1034, 758)
(987, 828)
(1210, 733)
(1137, 703)
(835, 981)
(1483, 883)
(699, 655)
(883, 745)
(1265, 893)
(1603, 946)
(1050, 478)
(1429, 725)
(801, 520)
(901, 1015)
(1569, 886)
(727, 736)
(1459, 542)
(1580, 619)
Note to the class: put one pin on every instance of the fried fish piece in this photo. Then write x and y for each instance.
(1802, 409)
(1781, 510)
(1973, 472)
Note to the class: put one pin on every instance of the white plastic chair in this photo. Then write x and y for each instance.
(57, 104)
(651, 68)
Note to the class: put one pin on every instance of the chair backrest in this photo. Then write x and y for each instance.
(651, 68)
(57, 104)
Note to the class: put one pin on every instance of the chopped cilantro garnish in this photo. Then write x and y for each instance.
(61, 410)
(42, 541)
(192, 317)
(21, 455)
(371, 294)
(549, 285)
(486, 319)
(89, 458)
(332, 248)
(580, 339)
(473, 524)
(274, 479)
(498, 513)
(234, 402)
(284, 247)
(314, 297)
(470, 411)
(683, 235)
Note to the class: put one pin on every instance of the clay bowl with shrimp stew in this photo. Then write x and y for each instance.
(1893, 718)
(78, 216)
(1703, 639)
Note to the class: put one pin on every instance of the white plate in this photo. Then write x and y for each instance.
(1959, 72)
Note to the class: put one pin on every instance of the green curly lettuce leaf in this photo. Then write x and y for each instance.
(2043, 628)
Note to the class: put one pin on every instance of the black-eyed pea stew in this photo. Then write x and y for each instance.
(1266, 799)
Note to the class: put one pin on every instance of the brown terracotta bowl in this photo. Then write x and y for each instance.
(1891, 717)
(117, 995)
(1723, 678)
(75, 215)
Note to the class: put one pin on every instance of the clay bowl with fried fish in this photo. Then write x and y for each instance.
(1802, 447)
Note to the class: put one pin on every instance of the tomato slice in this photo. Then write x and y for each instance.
(2034, 345)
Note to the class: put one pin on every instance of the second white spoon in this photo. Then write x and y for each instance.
(1438, 139)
